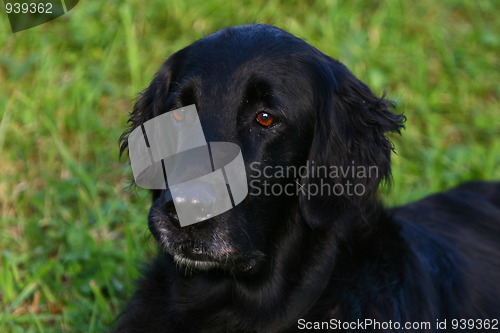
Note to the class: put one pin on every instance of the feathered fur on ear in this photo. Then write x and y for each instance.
(152, 102)
(153, 99)
(350, 128)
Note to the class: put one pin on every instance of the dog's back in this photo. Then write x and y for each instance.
(454, 239)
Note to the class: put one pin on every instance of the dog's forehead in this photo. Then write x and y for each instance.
(246, 38)
(221, 70)
(259, 48)
(234, 57)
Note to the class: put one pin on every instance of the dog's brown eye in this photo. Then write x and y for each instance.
(265, 119)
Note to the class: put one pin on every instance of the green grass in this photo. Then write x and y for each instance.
(73, 235)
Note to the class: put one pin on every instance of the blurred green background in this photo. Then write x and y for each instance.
(73, 235)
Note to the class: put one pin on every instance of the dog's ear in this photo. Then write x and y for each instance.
(152, 101)
(350, 141)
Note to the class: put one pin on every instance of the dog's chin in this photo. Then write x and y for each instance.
(199, 265)
(234, 265)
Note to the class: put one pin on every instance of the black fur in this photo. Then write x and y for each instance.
(289, 257)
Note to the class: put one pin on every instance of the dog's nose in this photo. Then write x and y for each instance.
(199, 199)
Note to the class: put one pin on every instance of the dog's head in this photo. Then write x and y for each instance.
(303, 123)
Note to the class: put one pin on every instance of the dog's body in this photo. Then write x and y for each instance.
(290, 262)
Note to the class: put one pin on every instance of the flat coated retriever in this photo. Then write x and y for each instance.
(311, 249)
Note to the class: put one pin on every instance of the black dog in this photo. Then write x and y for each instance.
(300, 259)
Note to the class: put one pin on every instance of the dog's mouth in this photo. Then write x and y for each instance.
(200, 252)
(195, 258)
(195, 264)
